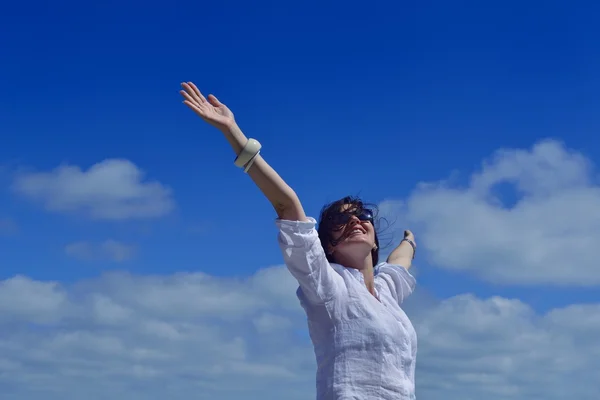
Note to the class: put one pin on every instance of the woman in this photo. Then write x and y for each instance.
(364, 343)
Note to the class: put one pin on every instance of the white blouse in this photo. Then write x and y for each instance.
(365, 349)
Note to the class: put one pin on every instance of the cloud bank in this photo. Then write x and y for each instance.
(109, 249)
(113, 189)
(192, 335)
(526, 217)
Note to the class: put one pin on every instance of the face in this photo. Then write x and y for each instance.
(353, 233)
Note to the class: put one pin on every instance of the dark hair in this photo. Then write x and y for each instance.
(325, 226)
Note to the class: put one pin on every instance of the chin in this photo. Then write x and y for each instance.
(358, 243)
(359, 239)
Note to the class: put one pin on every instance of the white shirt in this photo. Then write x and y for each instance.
(365, 348)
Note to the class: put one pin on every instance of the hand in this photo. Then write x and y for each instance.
(405, 252)
(212, 110)
(408, 235)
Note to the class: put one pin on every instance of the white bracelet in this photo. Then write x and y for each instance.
(250, 163)
(248, 154)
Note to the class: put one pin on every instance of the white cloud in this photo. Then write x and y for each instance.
(550, 235)
(118, 251)
(24, 299)
(499, 349)
(109, 249)
(188, 335)
(113, 189)
(146, 337)
(80, 250)
(268, 323)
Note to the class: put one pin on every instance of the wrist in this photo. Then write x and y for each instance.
(234, 136)
(229, 127)
(409, 245)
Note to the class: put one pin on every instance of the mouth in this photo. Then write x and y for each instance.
(348, 233)
(357, 230)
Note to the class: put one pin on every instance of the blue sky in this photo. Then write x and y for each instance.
(345, 97)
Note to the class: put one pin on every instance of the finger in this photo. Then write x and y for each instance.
(212, 99)
(197, 92)
(190, 90)
(189, 97)
(194, 107)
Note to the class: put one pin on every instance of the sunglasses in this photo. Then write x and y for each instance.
(342, 218)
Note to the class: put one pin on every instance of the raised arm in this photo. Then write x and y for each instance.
(394, 272)
(405, 252)
(280, 195)
(298, 238)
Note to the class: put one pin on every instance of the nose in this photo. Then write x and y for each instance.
(354, 220)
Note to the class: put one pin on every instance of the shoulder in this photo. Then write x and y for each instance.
(297, 233)
(307, 224)
(394, 271)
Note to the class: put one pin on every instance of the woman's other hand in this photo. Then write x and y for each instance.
(410, 236)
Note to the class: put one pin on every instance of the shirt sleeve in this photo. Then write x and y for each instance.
(399, 281)
(306, 260)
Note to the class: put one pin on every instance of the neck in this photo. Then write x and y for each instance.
(366, 268)
(369, 276)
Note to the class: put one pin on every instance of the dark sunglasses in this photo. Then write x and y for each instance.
(342, 218)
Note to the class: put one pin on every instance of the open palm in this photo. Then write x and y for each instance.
(211, 110)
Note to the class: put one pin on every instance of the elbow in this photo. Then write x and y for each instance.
(402, 261)
(290, 209)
